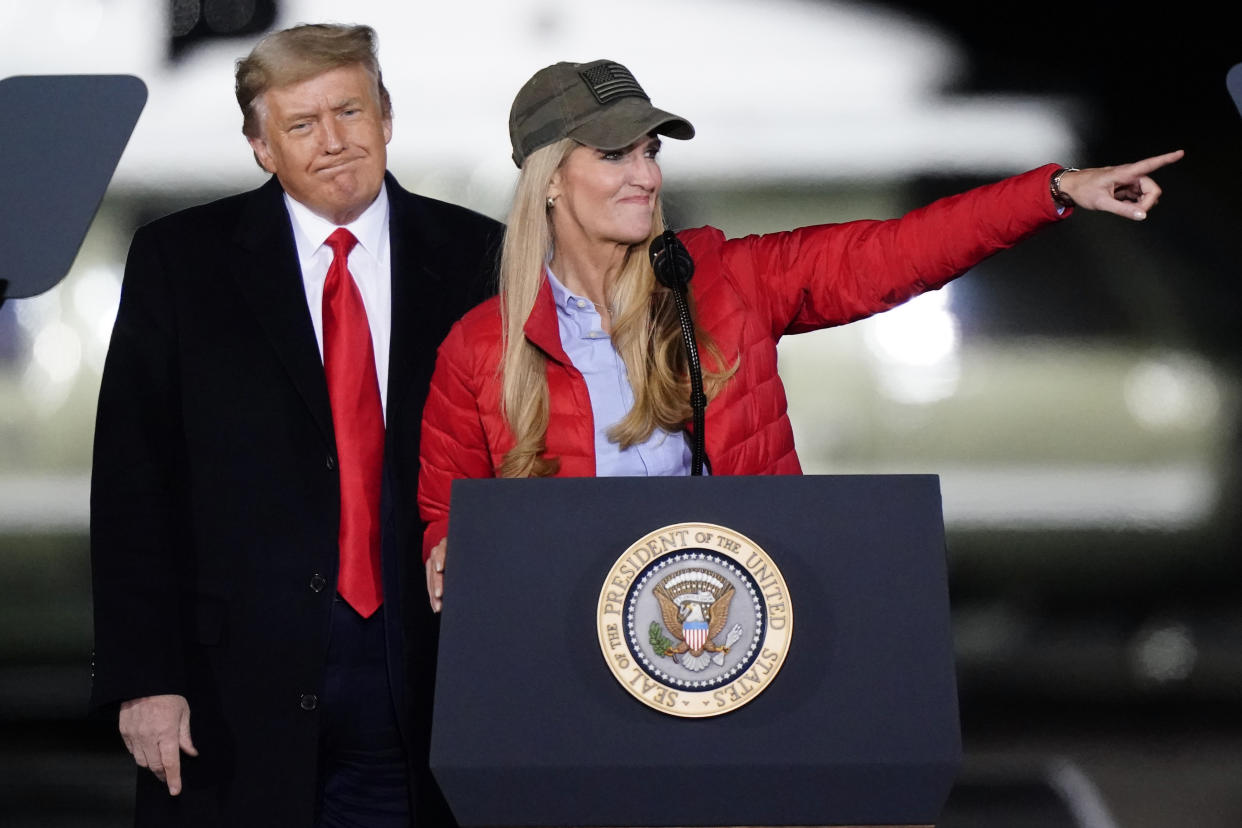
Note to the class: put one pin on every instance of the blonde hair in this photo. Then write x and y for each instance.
(299, 53)
(646, 331)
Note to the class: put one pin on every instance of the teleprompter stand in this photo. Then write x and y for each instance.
(860, 726)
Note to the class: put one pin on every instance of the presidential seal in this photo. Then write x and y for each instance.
(694, 620)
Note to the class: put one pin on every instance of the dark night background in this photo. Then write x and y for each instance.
(1152, 81)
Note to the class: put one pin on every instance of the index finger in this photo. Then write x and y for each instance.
(1147, 165)
(170, 755)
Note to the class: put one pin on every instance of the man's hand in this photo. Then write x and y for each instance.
(435, 575)
(156, 729)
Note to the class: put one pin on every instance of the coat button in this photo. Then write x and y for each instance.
(309, 701)
(318, 582)
(330, 462)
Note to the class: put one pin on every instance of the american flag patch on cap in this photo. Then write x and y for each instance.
(609, 81)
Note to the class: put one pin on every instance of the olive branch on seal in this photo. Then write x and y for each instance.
(659, 642)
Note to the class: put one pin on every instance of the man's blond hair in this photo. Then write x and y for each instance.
(301, 52)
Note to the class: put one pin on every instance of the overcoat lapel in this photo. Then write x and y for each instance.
(419, 297)
(270, 280)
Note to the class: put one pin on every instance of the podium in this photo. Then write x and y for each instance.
(860, 726)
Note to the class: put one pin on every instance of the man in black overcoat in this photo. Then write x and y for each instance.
(248, 688)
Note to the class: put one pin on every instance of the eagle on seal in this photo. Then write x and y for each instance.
(694, 623)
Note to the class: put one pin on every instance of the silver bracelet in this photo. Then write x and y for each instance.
(1054, 187)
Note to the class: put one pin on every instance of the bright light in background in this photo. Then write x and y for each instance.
(787, 90)
(1173, 391)
(96, 296)
(36, 312)
(60, 37)
(8, 14)
(916, 348)
(77, 22)
(56, 351)
(56, 357)
(921, 332)
(1168, 496)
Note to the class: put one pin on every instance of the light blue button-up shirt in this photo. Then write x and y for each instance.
(590, 349)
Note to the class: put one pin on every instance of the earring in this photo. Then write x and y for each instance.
(551, 202)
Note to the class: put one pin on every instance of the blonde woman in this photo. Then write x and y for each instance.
(577, 368)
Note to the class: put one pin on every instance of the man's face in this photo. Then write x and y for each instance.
(326, 139)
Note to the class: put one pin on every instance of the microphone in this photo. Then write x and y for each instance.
(671, 261)
(673, 268)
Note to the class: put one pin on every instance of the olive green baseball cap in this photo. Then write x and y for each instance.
(599, 104)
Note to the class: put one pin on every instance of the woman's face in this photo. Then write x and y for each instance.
(606, 196)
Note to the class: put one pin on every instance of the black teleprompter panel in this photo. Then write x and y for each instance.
(61, 137)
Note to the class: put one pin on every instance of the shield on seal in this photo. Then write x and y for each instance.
(695, 633)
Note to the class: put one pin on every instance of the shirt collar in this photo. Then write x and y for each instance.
(566, 301)
(314, 229)
(560, 293)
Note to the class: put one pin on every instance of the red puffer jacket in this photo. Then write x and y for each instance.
(749, 293)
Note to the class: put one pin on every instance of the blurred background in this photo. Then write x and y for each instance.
(1078, 396)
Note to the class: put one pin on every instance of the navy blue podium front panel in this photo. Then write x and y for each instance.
(860, 726)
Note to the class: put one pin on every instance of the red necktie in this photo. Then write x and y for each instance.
(358, 419)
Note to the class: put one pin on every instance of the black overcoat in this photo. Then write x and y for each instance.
(215, 497)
